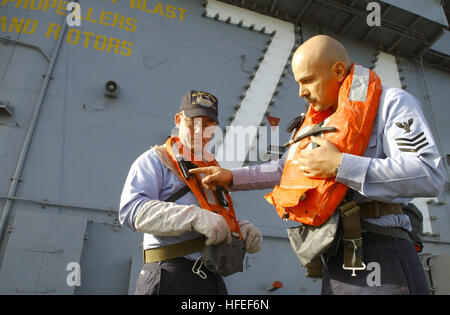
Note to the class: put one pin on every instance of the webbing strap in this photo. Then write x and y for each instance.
(352, 239)
(174, 250)
(177, 195)
(375, 209)
(351, 224)
(314, 269)
(386, 231)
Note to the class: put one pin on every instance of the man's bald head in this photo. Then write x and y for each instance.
(323, 51)
(320, 65)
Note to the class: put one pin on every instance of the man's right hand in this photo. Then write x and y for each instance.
(213, 226)
(214, 176)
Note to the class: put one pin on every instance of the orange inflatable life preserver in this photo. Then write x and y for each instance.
(313, 201)
(218, 201)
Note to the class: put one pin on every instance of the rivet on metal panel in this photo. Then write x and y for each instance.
(116, 225)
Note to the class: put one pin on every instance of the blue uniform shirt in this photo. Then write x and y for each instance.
(401, 161)
(148, 179)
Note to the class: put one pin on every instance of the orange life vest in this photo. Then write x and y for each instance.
(218, 201)
(313, 201)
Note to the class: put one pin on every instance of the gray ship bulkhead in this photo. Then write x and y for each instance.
(66, 142)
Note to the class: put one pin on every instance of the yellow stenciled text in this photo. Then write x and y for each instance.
(168, 11)
(18, 25)
(87, 39)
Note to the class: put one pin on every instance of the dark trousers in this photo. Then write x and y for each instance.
(395, 269)
(175, 276)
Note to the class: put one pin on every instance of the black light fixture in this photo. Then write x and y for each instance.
(5, 109)
(111, 89)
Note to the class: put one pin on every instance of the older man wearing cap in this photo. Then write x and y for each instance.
(159, 201)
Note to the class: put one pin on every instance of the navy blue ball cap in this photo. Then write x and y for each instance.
(199, 103)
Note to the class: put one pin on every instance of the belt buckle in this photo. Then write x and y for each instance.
(353, 269)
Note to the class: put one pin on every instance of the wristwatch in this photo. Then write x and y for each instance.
(336, 170)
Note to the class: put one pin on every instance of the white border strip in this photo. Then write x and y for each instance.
(255, 103)
(386, 68)
(360, 84)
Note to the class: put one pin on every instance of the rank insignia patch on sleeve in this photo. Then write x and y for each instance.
(412, 144)
(405, 125)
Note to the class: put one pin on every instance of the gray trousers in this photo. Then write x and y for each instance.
(395, 269)
(175, 277)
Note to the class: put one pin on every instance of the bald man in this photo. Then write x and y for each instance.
(401, 162)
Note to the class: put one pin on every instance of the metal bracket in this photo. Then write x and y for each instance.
(6, 40)
(46, 251)
(353, 269)
(42, 291)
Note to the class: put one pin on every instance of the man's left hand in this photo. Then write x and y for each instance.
(251, 235)
(320, 162)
